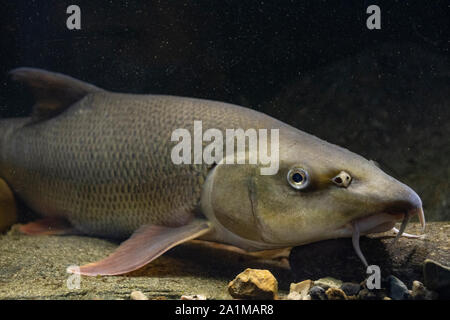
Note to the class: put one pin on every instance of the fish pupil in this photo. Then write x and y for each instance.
(297, 177)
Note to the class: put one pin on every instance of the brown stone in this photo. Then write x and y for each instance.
(336, 294)
(254, 284)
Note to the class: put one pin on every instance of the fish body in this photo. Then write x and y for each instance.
(105, 164)
(102, 161)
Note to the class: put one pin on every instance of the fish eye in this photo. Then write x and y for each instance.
(343, 179)
(298, 178)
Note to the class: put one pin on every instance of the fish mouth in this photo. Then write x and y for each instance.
(381, 222)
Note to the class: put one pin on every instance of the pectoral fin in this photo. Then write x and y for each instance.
(145, 245)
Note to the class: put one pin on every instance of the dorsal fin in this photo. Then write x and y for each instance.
(54, 92)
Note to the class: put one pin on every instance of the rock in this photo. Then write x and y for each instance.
(397, 289)
(405, 258)
(300, 291)
(317, 293)
(294, 296)
(419, 292)
(254, 284)
(307, 297)
(336, 294)
(328, 282)
(138, 295)
(437, 277)
(194, 297)
(371, 294)
(350, 288)
(366, 294)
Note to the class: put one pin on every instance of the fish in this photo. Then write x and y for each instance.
(98, 163)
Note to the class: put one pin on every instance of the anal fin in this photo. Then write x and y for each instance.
(48, 226)
(145, 245)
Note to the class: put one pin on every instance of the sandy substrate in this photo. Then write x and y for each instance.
(33, 267)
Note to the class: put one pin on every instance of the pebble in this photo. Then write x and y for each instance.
(397, 289)
(436, 276)
(366, 294)
(194, 297)
(350, 288)
(328, 282)
(300, 290)
(138, 295)
(294, 296)
(419, 292)
(254, 284)
(297, 296)
(336, 294)
(317, 293)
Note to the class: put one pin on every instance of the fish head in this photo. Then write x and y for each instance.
(320, 191)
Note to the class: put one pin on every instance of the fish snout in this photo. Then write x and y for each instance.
(407, 202)
(402, 202)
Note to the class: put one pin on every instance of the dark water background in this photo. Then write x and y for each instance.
(384, 94)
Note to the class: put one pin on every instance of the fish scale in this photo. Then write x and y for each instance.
(104, 164)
